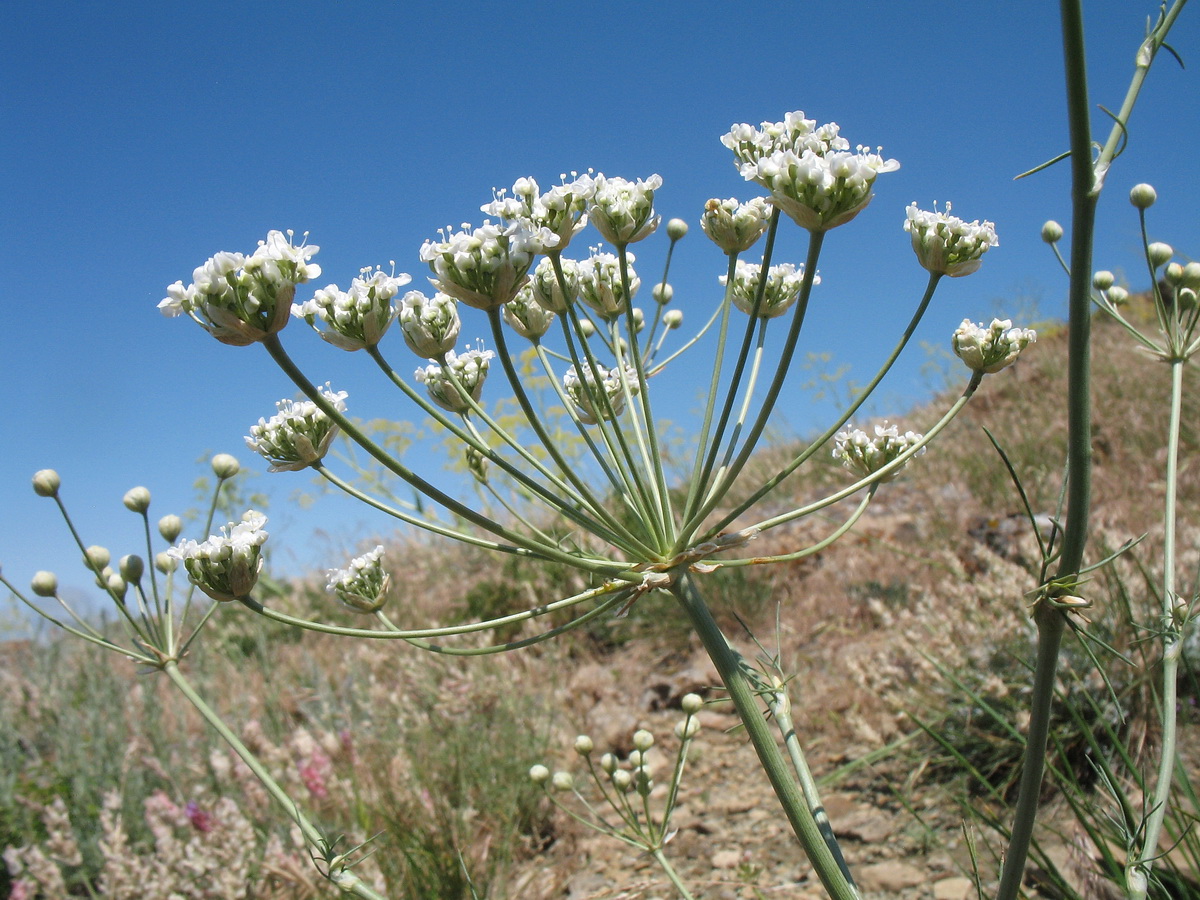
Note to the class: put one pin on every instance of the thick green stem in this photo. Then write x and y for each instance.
(729, 665)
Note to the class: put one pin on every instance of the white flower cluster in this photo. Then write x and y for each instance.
(486, 266)
(733, 226)
(526, 315)
(623, 211)
(469, 370)
(945, 243)
(600, 285)
(546, 288)
(430, 325)
(594, 399)
(226, 566)
(864, 455)
(783, 287)
(561, 210)
(990, 349)
(356, 318)
(240, 299)
(362, 586)
(812, 174)
(298, 435)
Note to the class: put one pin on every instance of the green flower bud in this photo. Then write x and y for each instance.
(96, 558)
(691, 704)
(1159, 253)
(1173, 273)
(44, 584)
(562, 781)
(539, 774)
(137, 500)
(132, 567)
(636, 759)
(672, 318)
(586, 328)
(645, 784)
(1191, 275)
(170, 527)
(1052, 232)
(608, 763)
(687, 728)
(584, 745)
(225, 466)
(1117, 295)
(662, 293)
(676, 229)
(46, 483)
(1142, 196)
(165, 562)
(643, 740)
(622, 780)
(116, 585)
(1103, 280)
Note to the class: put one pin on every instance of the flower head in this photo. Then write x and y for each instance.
(298, 435)
(946, 244)
(864, 455)
(239, 299)
(469, 370)
(560, 211)
(600, 285)
(547, 291)
(783, 287)
(623, 211)
(733, 226)
(486, 266)
(430, 325)
(226, 566)
(527, 317)
(356, 318)
(990, 349)
(599, 399)
(812, 174)
(363, 584)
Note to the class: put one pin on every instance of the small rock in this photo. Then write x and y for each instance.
(956, 888)
(889, 877)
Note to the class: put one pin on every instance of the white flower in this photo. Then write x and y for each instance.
(356, 318)
(430, 325)
(990, 349)
(623, 211)
(864, 455)
(588, 394)
(486, 266)
(226, 566)
(469, 370)
(783, 287)
(362, 586)
(600, 285)
(527, 317)
(945, 243)
(733, 226)
(298, 435)
(561, 210)
(547, 291)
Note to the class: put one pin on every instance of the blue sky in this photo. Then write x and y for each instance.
(141, 138)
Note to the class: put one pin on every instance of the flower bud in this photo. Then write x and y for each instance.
(691, 704)
(662, 293)
(137, 500)
(225, 466)
(643, 740)
(132, 567)
(687, 728)
(1142, 196)
(608, 763)
(645, 784)
(584, 745)
(96, 558)
(539, 774)
(672, 318)
(1103, 280)
(44, 584)
(116, 585)
(586, 328)
(1191, 275)
(1173, 273)
(165, 562)
(1159, 253)
(46, 483)
(621, 780)
(635, 758)
(1117, 295)
(1052, 232)
(170, 527)
(562, 781)
(676, 228)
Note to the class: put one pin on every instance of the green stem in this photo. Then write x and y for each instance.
(730, 666)
(669, 871)
(347, 881)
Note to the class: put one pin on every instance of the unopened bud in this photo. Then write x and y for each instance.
(1159, 253)
(584, 745)
(608, 763)
(635, 758)
(687, 728)
(170, 527)
(1103, 280)
(672, 318)
(1142, 196)
(676, 228)
(46, 483)
(225, 466)
(643, 740)
(539, 774)
(691, 704)
(562, 781)
(586, 328)
(622, 780)
(662, 293)
(116, 585)
(1173, 273)
(1191, 275)
(44, 584)
(639, 320)
(1117, 295)
(131, 568)
(137, 500)
(165, 563)
(96, 558)
(1052, 232)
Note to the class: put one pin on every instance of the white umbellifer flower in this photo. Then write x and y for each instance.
(783, 287)
(811, 172)
(430, 325)
(486, 266)
(561, 210)
(945, 243)
(226, 566)
(356, 318)
(623, 211)
(600, 285)
(470, 369)
(585, 392)
(527, 317)
(733, 226)
(298, 435)
(547, 291)
(239, 299)
(990, 349)
(363, 584)
(864, 455)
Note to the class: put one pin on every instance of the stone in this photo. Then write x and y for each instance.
(955, 888)
(889, 877)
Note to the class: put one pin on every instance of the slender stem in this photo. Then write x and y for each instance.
(669, 871)
(730, 666)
